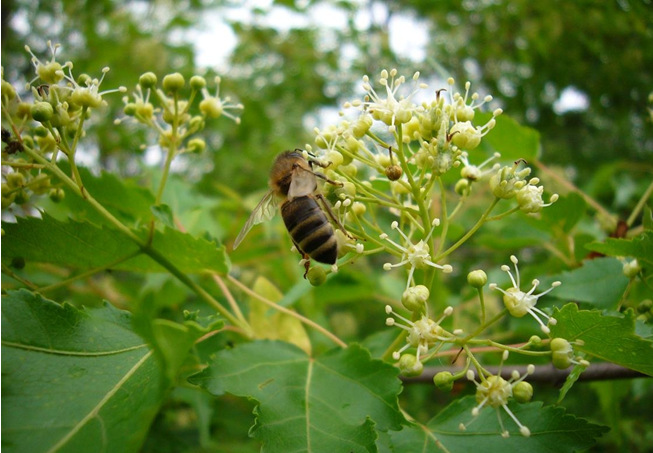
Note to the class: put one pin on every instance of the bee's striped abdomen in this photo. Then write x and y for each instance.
(310, 230)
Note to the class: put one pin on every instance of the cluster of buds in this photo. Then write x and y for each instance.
(171, 118)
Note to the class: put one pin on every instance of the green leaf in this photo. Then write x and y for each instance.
(608, 337)
(86, 246)
(163, 213)
(552, 429)
(330, 403)
(599, 282)
(74, 380)
(124, 198)
(510, 138)
(274, 325)
(640, 247)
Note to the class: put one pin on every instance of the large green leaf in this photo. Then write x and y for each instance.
(599, 282)
(330, 403)
(552, 430)
(74, 380)
(608, 337)
(85, 246)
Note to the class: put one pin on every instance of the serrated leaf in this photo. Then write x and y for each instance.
(599, 282)
(330, 403)
(415, 439)
(640, 247)
(552, 429)
(86, 246)
(273, 325)
(74, 379)
(608, 337)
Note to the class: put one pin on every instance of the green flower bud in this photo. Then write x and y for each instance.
(362, 125)
(41, 131)
(335, 158)
(414, 298)
(465, 136)
(645, 306)
(316, 276)
(522, 392)
(8, 90)
(24, 110)
(15, 180)
(147, 80)
(562, 353)
(535, 340)
(196, 145)
(211, 107)
(57, 194)
(477, 278)
(22, 197)
(462, 187)
(42, 111)
(631, 268)
(410, 366)
(197, 82)
(173, 82)
(444, 381)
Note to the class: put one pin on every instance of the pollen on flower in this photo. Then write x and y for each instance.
(518, 302)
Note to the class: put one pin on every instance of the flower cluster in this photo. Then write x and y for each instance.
(494, 391)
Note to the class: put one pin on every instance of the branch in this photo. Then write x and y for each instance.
(543, 373)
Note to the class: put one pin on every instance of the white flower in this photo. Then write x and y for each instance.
(423, 334)
(529, 197)
(393, 109)
(417, 255)
(519, 302)
(494, 391)
(214, 107)
(474, 172)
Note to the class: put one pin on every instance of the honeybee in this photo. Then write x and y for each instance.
(292, 179)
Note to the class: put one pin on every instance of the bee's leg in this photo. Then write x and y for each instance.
(307, 265)
(319, 175)
(335, 220)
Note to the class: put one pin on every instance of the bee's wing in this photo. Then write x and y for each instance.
(264, 210)
(302, 183)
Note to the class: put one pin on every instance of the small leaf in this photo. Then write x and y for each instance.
(640, 247)
(273, 325)
(330, 403)
(73, 379)
(599, 282)
(552, 429)
(608, 337)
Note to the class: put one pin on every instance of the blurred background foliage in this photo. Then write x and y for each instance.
(577, 72)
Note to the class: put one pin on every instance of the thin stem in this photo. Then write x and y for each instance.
(640, 205)
(467, 235)
(7, 270)
(296, 315)
(230, 298)
(88, 273)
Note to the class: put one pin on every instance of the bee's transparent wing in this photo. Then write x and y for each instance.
(302, 183)
(263, 211)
